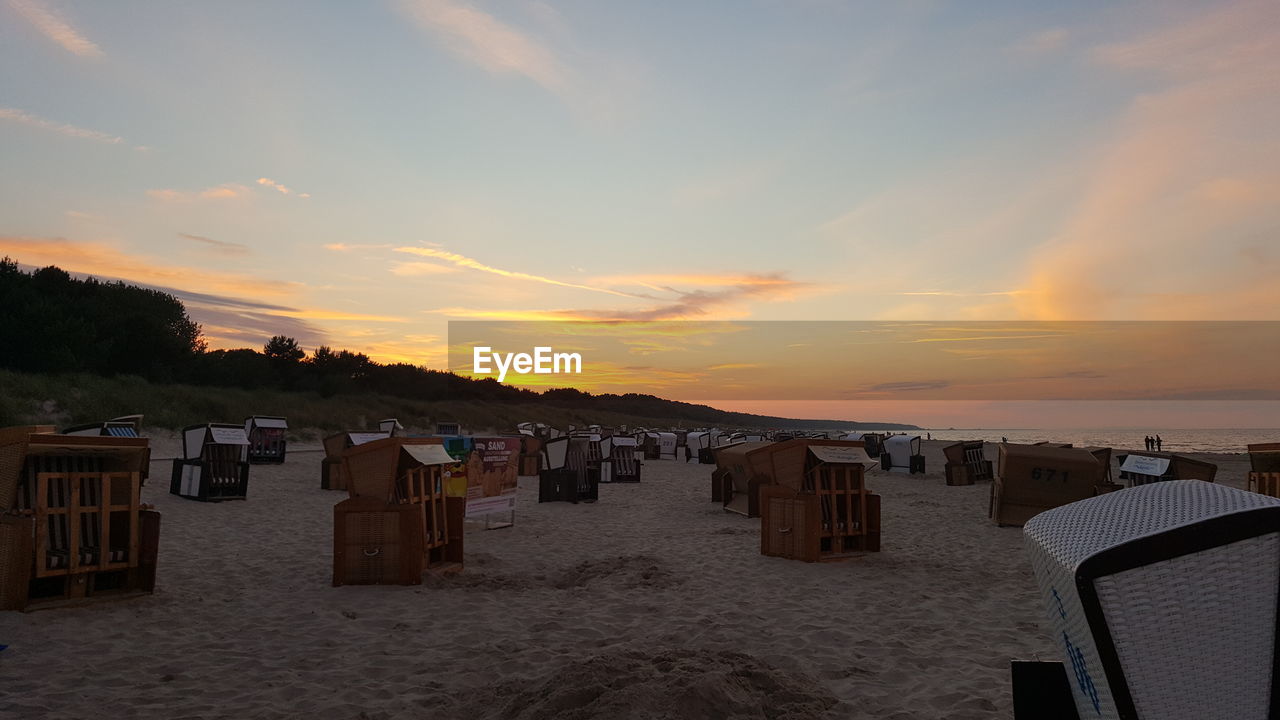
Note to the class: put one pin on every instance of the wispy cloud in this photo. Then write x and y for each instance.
(726, 302)
(104, 260)
(1192, 157)
(225, 191)
(282, 189)
(417, 269)
(222, 247)
(734, 366)
(26, 118)
(480, 38)
(347, 247)
(55, 27)
(949, 293)
(463, 261)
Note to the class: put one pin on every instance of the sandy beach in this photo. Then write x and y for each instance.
(651, 603)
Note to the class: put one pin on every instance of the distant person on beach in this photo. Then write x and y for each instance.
(1004, 439)
(1159, 443)
(1147, 440)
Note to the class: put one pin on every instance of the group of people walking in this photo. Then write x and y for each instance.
(1154, 443)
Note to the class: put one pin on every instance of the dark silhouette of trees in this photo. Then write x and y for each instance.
(283, 350)
(52, 322)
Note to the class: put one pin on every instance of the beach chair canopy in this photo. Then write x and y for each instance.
(390, 425)
(196, 437)
(840, 455)
(265, 421)
(108, 429)
(428, 454)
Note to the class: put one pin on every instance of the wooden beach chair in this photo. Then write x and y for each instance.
(1141, 468)
(1033, 478)
(333, 469)
(80, 529)
(828, 514)
(1264, 468)
(967, 463)
(398, 482)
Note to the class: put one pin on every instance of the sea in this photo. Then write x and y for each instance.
(1215, 440)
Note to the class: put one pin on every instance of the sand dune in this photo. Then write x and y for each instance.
(651, 603)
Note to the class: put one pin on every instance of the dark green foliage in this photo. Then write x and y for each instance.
(52, 322)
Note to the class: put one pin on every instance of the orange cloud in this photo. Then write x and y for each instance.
(226, 191)
(1163, 230)
(103, 260)
(55, 28)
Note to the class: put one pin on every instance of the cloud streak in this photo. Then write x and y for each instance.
(103, 260)
(222, 247)
(225, 191)
(56, 28)
(480, 38)
(282, 189)
(698, 304)
(463, 261)
(26, 118)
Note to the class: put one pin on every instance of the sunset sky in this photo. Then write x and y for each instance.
(357, 174)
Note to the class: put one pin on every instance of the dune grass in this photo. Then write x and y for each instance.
(71, 399)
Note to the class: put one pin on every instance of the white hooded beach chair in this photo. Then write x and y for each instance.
(1162, 600)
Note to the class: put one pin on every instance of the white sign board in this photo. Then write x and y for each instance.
(228, 436)
(481, 506)
(1145, 465)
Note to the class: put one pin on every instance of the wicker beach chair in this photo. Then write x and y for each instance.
(1163, 600)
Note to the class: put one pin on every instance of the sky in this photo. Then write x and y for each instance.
(358, 174)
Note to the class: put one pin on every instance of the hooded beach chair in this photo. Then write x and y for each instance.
(1033, 478)
(966, 463)
(267, 442)
(212, 467)
(1140, 468)
(83, 521)
(1162, 600)
(901, 453)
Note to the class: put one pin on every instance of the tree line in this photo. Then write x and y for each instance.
(51, 322)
